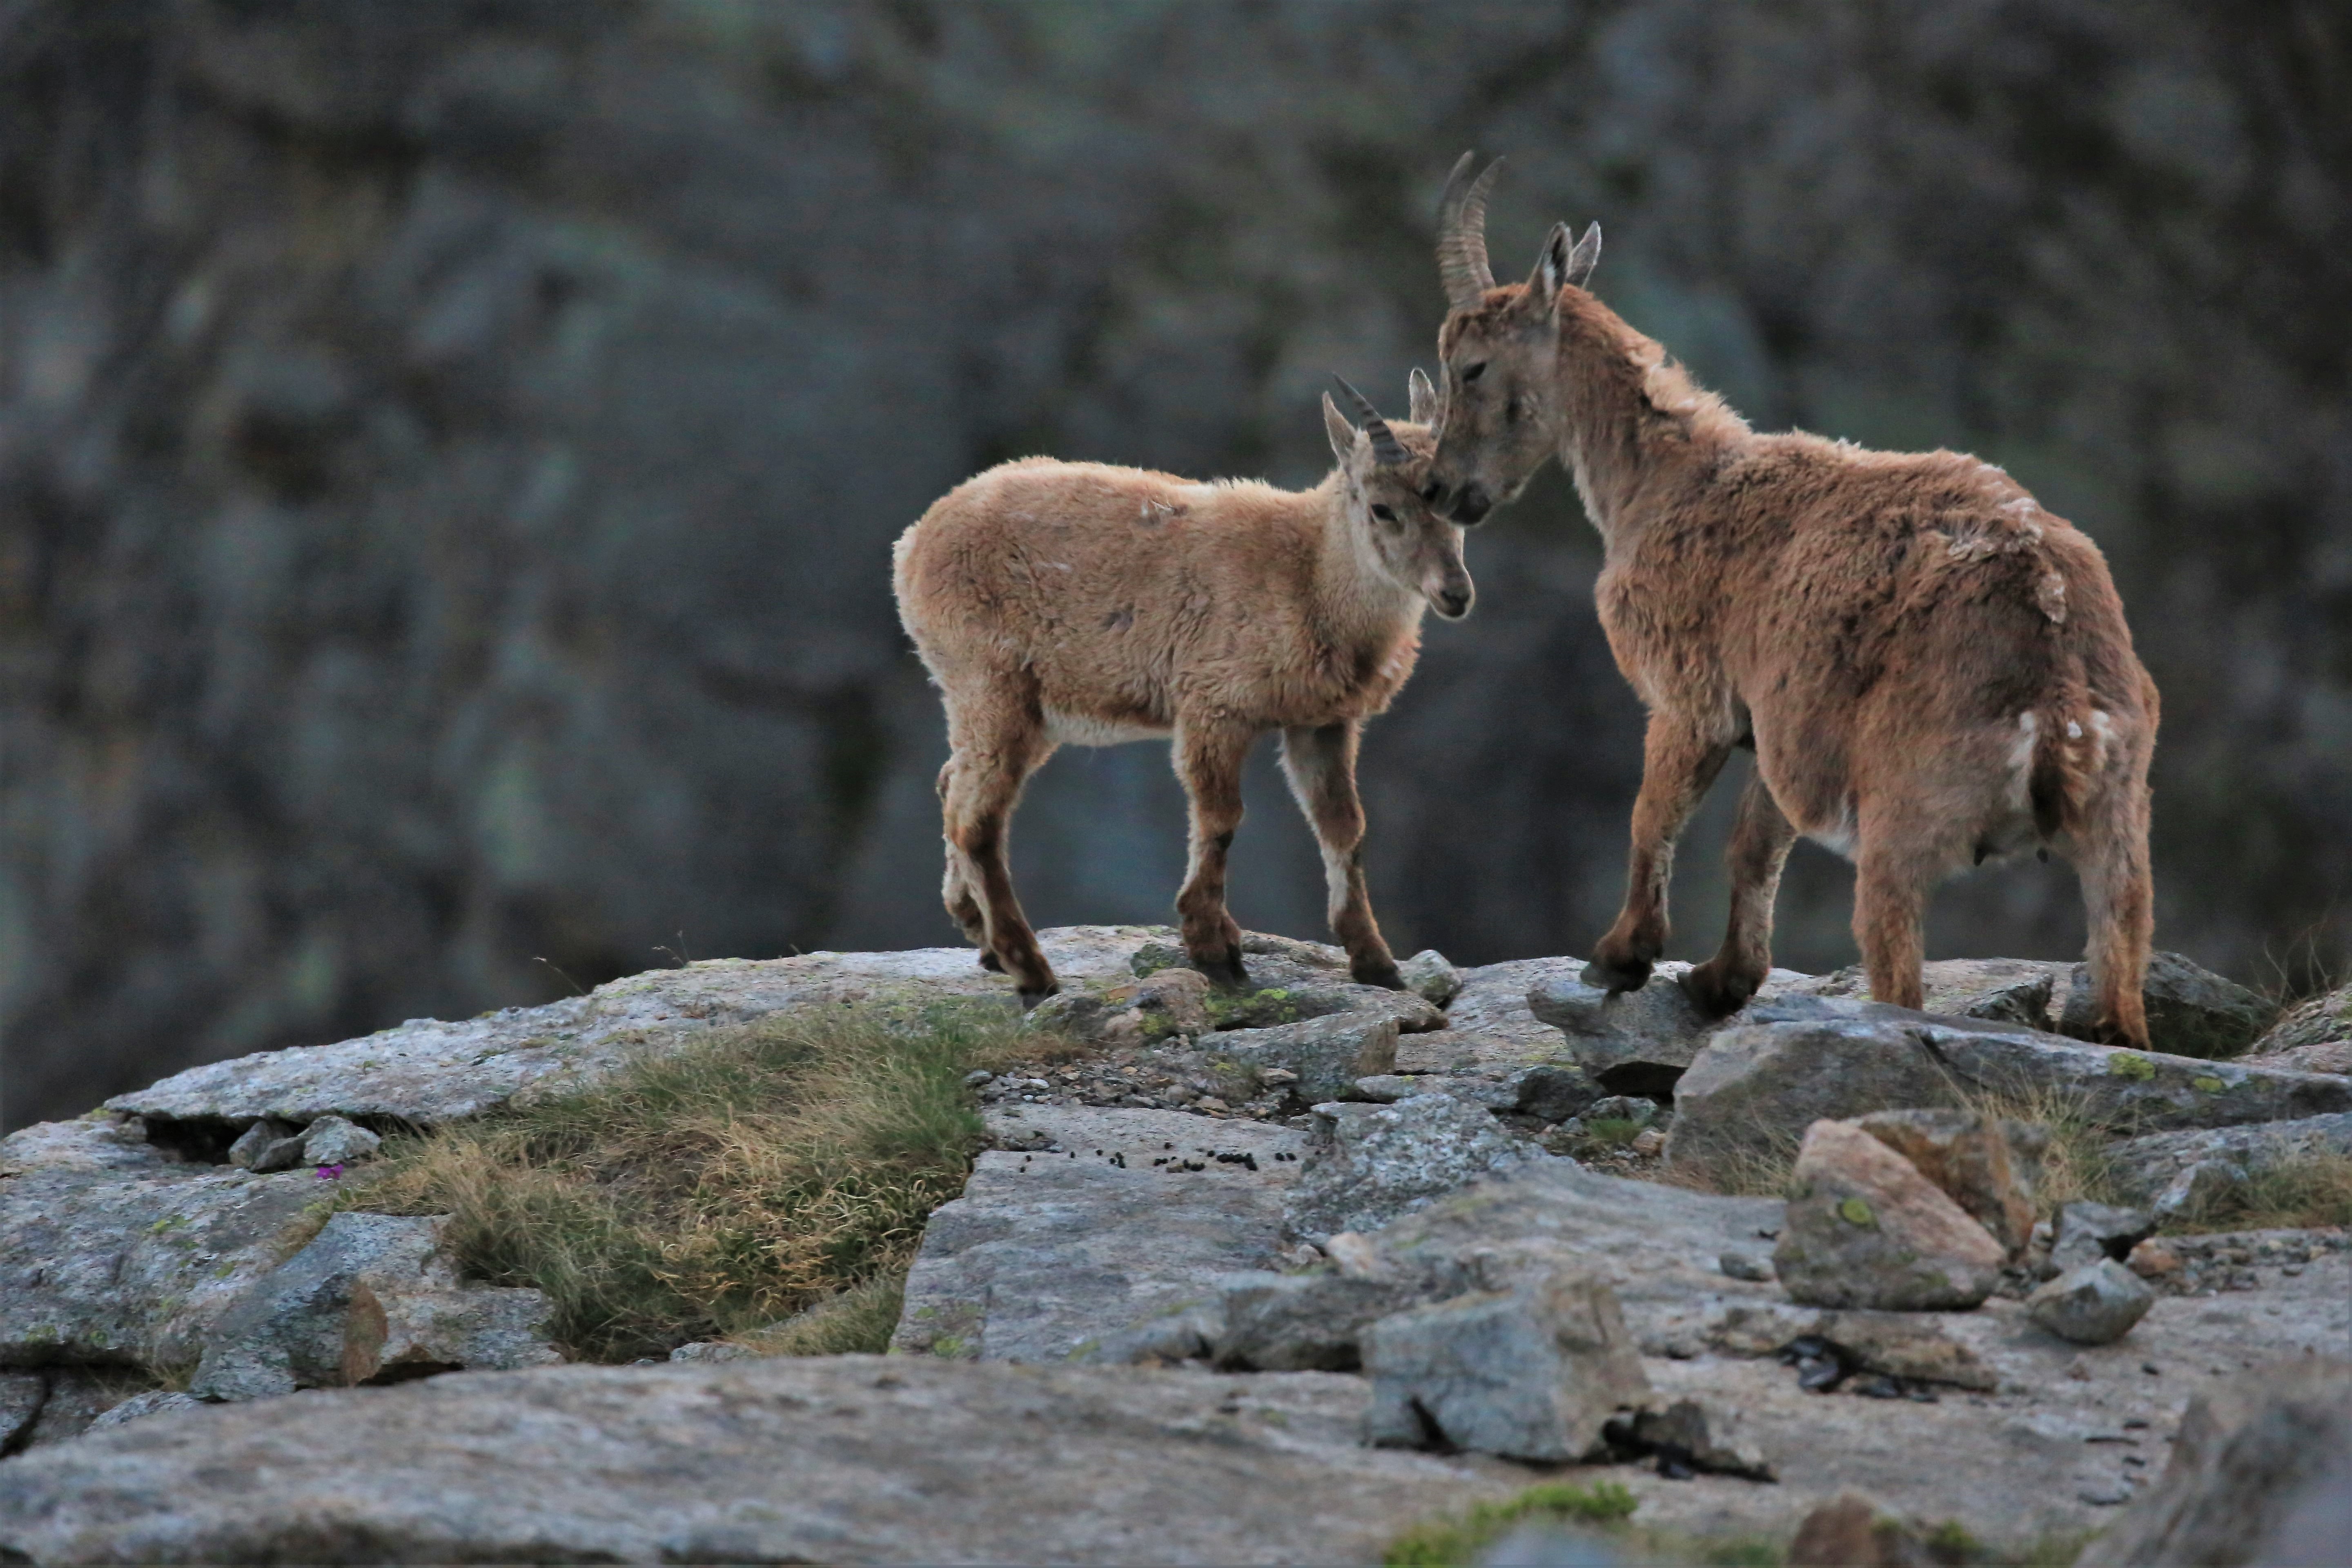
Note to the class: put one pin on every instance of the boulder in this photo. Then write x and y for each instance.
(2316, 1021)
(1117, 1222)
(369, 1297)
(2145, 1167)
(1851, 1531)
(1687, 1436)
(1866, 1229)
(1428, 975)
(2091, 1303)
(1751, 1092)
(1297, 1322)
(1329, 1054)
(1632, 1042)
(788, 1460)
(2259, 1474)
(1971, 1157)
(116, 1265)
(2191, 1011)
(1369, 1164)
(1168, 1004)
(1535, 1372)
(268, 1146)
(2088, 1232)
(2324, 1056)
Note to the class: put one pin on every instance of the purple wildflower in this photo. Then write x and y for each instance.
(329, 1172)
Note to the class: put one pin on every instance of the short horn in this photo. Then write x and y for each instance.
(1462, 234)
(1387, 450)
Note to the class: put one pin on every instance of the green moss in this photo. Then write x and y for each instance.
(1854, 1211)
(2207, 1085)
(2130, 1065)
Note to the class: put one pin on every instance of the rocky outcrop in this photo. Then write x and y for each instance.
(851, 1458)
(1370, 1163)
(1632, 1042)
(2223, 1158)
(1866, 1229)
(1759, 1083)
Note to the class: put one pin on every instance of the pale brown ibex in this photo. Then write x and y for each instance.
(1074, 603)
(1929, 666)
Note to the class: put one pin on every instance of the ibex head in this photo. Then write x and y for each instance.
(1381, 470)
(1496, 349)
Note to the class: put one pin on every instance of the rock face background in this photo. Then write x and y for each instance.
(448, 452)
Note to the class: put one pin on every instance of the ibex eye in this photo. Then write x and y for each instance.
(1473, 373)
(1383, 513)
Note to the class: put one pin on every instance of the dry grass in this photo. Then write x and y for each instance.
(2300, 1192)
(773, 1178)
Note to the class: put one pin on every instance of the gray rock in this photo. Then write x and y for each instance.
(1329, 1054)
(1049, 1257)
(713, 1350)
(21, 1396)
(1530, 1374)
(2086, 1233)
(139, 1406)
(2324, 1056)
(1166, 1005)
(1428, 974)
(89, 1143)
(1632, 1042)
(2145, 1167)
(1710, 1440)
(428, 1072)
(1555, 1092)
(1744, 1265)
(1866, 1229)
(2258, 1464)
(370, 1298)
(2091, 1303)
(1369, 1164)
(1551, 1092)
(1300, 1323)
(109, 1265)
(269, 1145)
(810, 1460)
(333, 1141)
(2322, 1020)
(2191, 1011)
(74, 1397)
(1755, 1087)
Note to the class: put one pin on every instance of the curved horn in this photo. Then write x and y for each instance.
(1387, 450)
(1462, 234)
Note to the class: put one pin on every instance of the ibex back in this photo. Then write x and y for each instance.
(1929, 666)
(1074, 603)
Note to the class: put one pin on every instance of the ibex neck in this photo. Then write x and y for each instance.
(1632, 424)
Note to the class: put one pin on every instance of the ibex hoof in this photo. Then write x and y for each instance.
(1031, 998)
(1630, 974)
(1716, 994)
(1224, 970)
(1383, 974)
(991, 962)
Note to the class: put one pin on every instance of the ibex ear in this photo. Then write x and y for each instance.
(1336, 426)
(1551, 267)
(1421, 394)
(1585, 257)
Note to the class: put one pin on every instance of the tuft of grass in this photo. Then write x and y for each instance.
(2298, 1192)
(781, 1169)
(2076, 1167)
(857, 1322)
(1444, 1543)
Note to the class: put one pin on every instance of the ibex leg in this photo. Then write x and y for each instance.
(1209, 760)
(2119, 897)
(1761, 839)
(1896, 862)
(1678, 762)
(956, 891)
(1320, 763)
(993, 758)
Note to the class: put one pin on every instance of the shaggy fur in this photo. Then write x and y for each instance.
(1072, 603)
(1930, 667)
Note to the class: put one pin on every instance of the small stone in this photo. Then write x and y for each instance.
(2153, 1259)
(977, 1077)
(1850, 1531)
(1647, 1143)
(2092, 1304)
(712, 1349)
(1531, 1373)
(1867, 1230)
(1211, 1102)
(1744, 1266)
(1429, 973)
(1352, 1254)
(1687, 1433)
(154, 1402)
(268, 1146)
(334, 1141)
(1622, 1108)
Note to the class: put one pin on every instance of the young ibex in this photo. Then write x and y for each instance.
(1076, 603)
(1929, 666)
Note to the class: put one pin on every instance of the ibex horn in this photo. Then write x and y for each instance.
(1387, 450)
(1462, 234)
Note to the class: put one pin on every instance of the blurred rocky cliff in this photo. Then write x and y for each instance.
(449, 451)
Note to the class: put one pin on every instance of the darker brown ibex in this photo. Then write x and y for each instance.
(1929, 666)
(1072, 603)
